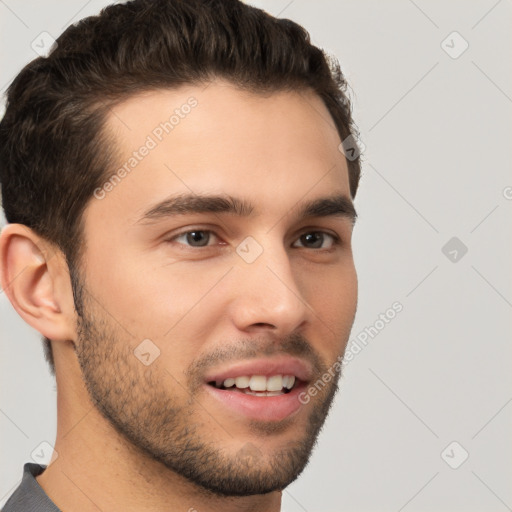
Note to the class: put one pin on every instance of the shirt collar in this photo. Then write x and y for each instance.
(29, 496)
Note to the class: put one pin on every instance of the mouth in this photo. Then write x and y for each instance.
(258, 385)
(264, 390)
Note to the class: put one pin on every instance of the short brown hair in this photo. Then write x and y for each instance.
(52, 153)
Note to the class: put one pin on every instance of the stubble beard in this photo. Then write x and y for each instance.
(132, 398)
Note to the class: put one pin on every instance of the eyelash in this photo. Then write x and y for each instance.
(336, 241)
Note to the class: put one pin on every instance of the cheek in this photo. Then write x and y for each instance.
(333, 296)
(158, 301)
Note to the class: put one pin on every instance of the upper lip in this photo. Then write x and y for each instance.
(281, 365)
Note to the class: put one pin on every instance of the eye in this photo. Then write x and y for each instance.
(194, 238)
(205, 237)
(317, 240)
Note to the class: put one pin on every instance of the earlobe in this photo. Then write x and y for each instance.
(31, 276)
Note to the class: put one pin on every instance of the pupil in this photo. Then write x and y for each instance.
(197, 238)
(312, 239)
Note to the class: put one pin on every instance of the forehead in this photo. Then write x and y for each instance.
(217, 138)
(220, 108)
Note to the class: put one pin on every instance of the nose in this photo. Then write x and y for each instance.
(267, 297)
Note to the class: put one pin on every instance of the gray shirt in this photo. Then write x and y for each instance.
(29, 495)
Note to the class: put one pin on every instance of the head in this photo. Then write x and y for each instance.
(177, 164)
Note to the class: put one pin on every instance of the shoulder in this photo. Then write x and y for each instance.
(29, 495)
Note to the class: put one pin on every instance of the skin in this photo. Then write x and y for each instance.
(275, 151)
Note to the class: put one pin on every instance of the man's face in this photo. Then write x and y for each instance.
(228, 301)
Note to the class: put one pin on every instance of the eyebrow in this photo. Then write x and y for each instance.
(336, 205)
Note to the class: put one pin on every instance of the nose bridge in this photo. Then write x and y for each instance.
(268, 293)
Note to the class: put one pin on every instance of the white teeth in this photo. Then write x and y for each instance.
(273, 384)
(274, 393)
(258, 383)
(290, 381)
(267, 393)
(242, 382)
(229, 382)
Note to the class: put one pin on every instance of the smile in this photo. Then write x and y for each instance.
(258, 385)
(265, 389)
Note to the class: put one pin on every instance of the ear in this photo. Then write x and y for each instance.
(35, 277)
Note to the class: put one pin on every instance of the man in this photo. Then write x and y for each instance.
(180, 219)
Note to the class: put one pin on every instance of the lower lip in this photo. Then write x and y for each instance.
(262, 408)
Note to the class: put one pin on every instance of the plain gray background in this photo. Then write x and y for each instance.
(434, 385)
